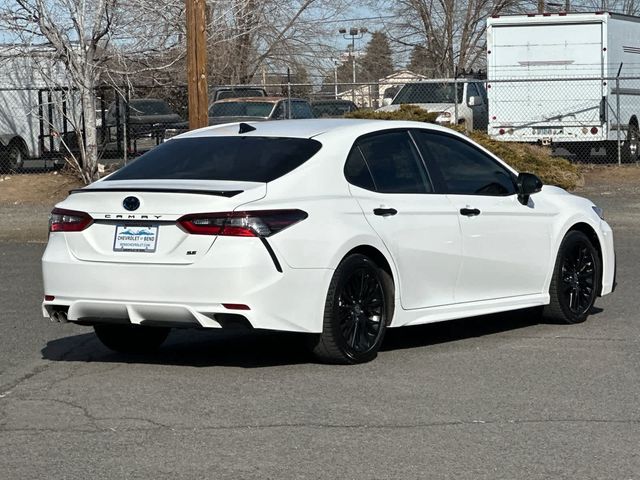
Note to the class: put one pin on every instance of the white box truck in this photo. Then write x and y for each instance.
(35, 107)
(551, 80)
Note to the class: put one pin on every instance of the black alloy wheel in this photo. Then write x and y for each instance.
(358, 309)
(576, 279)
(361, 310)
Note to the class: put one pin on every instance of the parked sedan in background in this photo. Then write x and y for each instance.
(258, 108)
(146, 116)
(337, 228)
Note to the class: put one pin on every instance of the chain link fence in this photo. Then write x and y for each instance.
(591, 120)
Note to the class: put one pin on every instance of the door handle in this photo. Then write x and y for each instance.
(384, 212)
(469, 212)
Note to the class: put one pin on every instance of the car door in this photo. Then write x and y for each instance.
(506, 246)
(419, 228)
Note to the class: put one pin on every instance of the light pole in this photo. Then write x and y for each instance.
(354, 33)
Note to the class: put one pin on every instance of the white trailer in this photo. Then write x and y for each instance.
(35, 108)
(552, 80)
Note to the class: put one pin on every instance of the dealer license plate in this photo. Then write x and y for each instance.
(129, 238)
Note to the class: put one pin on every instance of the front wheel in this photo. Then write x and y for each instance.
(358, 308)
(576, 280)
(131, 338)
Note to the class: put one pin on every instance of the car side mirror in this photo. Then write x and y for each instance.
(527, 184)
(386, 101)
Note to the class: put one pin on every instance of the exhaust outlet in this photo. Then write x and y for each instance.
(57, 316)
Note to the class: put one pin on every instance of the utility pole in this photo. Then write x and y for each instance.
(197, 64)
(354, 33)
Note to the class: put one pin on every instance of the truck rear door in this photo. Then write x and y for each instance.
(545, 51)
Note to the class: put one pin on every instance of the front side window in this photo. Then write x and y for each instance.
(301, 110)
(394, 163)
(464, 169)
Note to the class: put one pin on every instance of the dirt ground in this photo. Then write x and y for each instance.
(37, 189)
(27, 199)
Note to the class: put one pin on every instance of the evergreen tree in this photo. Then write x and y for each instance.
(419, 61)
(377, 61)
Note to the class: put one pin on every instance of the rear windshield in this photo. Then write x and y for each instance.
(241, 109)
(247, 159)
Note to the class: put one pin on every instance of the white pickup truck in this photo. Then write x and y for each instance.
(464, 99)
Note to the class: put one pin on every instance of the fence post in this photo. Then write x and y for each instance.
(455, 95)
(288, 93)
(618, 120)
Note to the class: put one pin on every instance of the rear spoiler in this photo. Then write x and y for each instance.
(217, 193)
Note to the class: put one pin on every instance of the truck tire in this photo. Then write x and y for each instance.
(11, 158)
(631, 146)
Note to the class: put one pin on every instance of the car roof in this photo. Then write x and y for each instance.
(332, 101)
(309, 128)
(257, 99)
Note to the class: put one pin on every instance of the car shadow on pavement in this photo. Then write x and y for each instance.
(254, 349)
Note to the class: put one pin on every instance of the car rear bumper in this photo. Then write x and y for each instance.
(186, 295)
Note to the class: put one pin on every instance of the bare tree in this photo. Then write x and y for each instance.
(95, 40)
(249, 36)
(450, 32)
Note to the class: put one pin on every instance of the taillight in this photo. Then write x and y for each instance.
(62, 220)
(258, 223)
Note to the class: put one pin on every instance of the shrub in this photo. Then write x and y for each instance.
(406, 112)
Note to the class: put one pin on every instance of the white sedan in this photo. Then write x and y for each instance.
(337, 228)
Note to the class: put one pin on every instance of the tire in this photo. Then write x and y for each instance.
(631, 147)
(11, 158)
(576, 280)
(131, 338)
(358, 308)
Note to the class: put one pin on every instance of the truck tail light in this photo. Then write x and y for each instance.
(258, 223)
(62, 220)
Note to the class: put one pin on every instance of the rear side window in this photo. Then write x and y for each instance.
(356, 171)
(394, 163)
(249, 159)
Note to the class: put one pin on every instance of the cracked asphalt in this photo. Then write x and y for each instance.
(501, 396)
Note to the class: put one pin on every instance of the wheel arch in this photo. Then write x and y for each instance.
(8, 140)
(377, 256)
(633, 121)
(592, 235)
(590, 232)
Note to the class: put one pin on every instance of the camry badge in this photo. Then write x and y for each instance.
(131, 203)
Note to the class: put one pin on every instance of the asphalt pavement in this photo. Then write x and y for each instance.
(500, 396)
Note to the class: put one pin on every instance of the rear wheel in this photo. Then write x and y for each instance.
(576, 280)
(11, 158)
(358, 308)
(131, 338)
